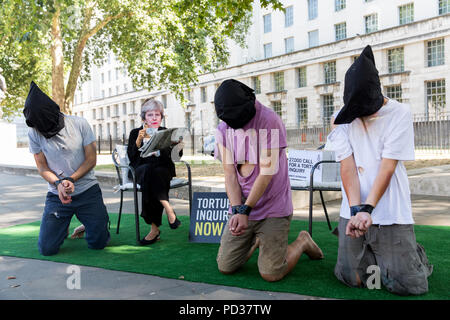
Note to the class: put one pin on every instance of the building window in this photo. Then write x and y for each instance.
(395, 60)
(188, 95)
(108, 112)
(406, 13)
(117, 90)
(435, 52)
(101, 114)
(371, 23)
(116, 110)
(267, 50)
(435, 97)
(94, 128)
(289, 44)
(125, 87)
(103, 77)
(109, 75)
(203, 94)
(340, 31)
(278, 81)
(289, 16)
(109, 92)
(103, 94)
(394, 92)
(313, 38)
(267, 23)
(108, 130)
(339, 5)
(327, 108)
(312, 9)
(132, 124)
(256, 83)
(124, 108)
(302, 112)
(277, 107)
(164, 100)
(115, 132)
(329, 71)
(444, 6)
(301, 77)
(124, 129)
(94, 116)
(188, 120)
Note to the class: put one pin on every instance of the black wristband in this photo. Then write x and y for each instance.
(366, 208)
(234, 209)
(244, 209)
(361, 208)
(68, 179)
(57, 182)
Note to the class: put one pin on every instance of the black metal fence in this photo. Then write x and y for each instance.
(193, 144)
(431, 134)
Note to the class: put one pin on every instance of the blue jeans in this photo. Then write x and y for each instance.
(88, 208)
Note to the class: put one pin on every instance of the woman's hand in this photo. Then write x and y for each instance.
(142, 134)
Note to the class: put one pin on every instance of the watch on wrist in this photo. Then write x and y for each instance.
(57, 182)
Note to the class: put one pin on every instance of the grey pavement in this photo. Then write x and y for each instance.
(22, 200)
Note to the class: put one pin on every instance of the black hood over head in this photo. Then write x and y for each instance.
(362, 89)
(235, 103)
(42, 113)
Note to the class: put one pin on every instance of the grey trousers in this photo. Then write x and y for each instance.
(403, 264)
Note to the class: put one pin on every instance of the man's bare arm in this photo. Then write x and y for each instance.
(232, 186)
(89, 162)
(268, 167)
(350, 181)
(387, 169)
(43, 169)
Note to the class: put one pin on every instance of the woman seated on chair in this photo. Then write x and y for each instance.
(153, 173)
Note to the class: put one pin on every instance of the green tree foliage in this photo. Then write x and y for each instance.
(162, 43)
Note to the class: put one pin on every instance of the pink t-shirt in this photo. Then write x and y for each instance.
(264, 131)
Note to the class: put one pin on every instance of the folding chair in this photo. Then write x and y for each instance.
(122, 164)
(318, 186)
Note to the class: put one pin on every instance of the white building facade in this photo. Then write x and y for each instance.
(296, 61)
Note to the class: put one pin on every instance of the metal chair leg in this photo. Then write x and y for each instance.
(136, 216)
(325, 209)
(310, 210)
(120, 211)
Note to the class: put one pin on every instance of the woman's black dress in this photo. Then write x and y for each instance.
(154, 175)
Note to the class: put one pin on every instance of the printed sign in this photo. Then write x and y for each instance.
(301, 163)
(209, 216)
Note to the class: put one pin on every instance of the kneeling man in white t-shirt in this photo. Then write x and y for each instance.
(372, 138)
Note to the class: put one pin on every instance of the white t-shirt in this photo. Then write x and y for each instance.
(386, 134)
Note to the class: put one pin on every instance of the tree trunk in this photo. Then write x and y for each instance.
(57, 54)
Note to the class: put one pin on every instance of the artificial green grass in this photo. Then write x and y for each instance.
(175, 257)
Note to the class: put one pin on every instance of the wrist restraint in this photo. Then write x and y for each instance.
(361, 208)
(241, 209)
(57, 182)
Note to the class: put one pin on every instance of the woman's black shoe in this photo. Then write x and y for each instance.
(176, 223)
(145, 242)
